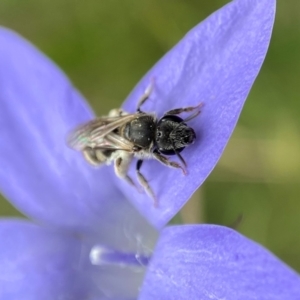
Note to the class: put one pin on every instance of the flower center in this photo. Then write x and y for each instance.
(101, 255)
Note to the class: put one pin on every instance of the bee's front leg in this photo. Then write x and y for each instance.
(195, 109)
(164, 160)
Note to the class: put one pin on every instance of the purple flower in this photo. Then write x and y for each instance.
(87, 241)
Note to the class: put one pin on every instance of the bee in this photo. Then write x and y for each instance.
(122, 136)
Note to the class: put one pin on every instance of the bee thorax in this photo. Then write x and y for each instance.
(140, 131)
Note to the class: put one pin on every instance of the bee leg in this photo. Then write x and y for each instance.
(144, 183)
(178, 111)
(164, 160)
(145, 96)
(121, 167)
(91, 156)
(117, 112)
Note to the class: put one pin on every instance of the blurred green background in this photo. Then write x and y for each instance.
(106, 46)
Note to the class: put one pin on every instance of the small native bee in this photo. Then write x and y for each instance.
(121, 136)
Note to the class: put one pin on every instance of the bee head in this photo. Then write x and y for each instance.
(173, 135)
(182, 136)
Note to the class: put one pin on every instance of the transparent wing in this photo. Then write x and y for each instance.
(113, 141)
(94, 133)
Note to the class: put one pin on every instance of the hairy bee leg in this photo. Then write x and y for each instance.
(117, 112)
(178, 111)
(121, 168)
(145, 96)
(164, 160)
(91, 156)
(144, 183)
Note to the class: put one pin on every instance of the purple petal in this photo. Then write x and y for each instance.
(39, 263)
(39, 174)
(216, 63)
(214, 262)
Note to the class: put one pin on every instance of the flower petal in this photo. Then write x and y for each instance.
(39, 263)
(214, 262)
(39, 174)
(216, 63)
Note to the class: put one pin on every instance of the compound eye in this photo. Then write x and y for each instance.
(190, 137)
